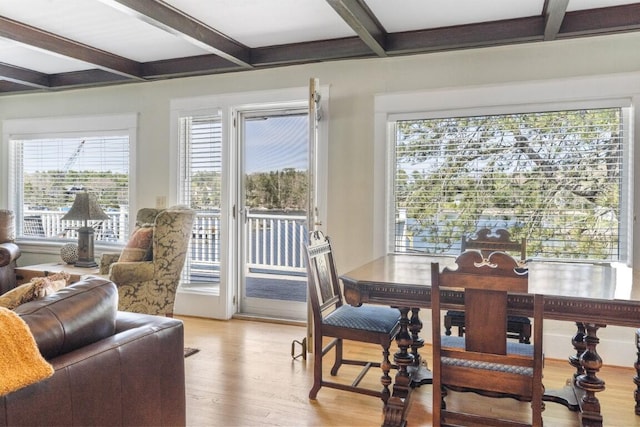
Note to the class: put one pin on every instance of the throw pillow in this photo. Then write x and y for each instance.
(21, 294)
(52, 283)
(38, 287)
(139, 246)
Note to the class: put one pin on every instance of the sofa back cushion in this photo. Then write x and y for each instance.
(75, 316)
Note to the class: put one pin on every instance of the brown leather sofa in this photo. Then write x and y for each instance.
(111, 367)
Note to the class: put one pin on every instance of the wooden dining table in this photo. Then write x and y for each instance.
(591, 295)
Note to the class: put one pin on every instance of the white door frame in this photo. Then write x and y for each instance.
(224, 303)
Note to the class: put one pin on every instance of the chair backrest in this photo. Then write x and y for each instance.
(487, 240)
(172, 233)
(146, 216)
(323, 284)
(486, 282)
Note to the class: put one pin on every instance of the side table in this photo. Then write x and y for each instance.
(26, 273)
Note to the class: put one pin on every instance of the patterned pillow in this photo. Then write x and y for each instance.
(38, 287)
(21, 294)
(52, 283)
(139, 246)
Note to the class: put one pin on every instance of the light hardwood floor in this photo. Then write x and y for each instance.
(244, 375)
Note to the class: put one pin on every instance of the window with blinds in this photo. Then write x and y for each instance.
(47, 173)
(201, 189)
(554, 178)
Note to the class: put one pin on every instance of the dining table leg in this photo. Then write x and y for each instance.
(580, 392)
(395, 409)
(412, 368)
(415, 326)
(589, 382)
(419, 370)
(636, 379)
(580, 345)
(567, 396)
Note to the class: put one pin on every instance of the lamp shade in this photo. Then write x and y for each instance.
(85, 208)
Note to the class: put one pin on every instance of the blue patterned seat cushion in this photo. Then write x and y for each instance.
(365, 318)
(512, 348)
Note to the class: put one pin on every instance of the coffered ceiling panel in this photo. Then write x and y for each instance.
(446, 13)
(268, 23)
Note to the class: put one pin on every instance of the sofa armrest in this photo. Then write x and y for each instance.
(75, 316)
(9, 252)
(106, 259)
(123, 273)
(132, 378)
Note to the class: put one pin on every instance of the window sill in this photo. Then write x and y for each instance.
(52, 247)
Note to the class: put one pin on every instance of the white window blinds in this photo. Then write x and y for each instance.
(48, 172)
(553, 178)
(201, 189)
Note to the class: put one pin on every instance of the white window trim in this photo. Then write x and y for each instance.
(70, 126)
(621, 90)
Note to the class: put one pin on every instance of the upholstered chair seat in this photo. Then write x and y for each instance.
(368, 318)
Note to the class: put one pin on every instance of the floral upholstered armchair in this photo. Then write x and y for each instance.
(147, 272)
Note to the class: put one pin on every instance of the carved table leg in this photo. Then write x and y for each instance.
(589, 382)
(415, 326)
(419, 371)
(566, 396)
(580, 344)
(636, 379)
(395, 409)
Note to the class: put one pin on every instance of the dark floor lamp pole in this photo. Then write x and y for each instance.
(85, 208)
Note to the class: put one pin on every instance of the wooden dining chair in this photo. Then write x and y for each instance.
(487, 241)
(332, 318)
(484, 361)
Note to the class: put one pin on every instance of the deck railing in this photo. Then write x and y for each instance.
(275, 240)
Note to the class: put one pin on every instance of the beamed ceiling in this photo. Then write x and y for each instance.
(48, 45)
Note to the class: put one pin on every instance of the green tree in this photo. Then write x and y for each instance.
(553, 178)
(278, 190)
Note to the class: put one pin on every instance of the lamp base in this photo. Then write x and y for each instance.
(85, 263)
(85, 248)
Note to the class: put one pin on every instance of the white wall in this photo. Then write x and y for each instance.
(353, 87)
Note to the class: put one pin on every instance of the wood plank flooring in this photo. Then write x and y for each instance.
(244, 375)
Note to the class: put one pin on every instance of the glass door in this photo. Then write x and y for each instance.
(273, 172)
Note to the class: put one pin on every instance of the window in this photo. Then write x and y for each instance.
(553, 178)
(48, 167)
(201, 189)
(452, 160)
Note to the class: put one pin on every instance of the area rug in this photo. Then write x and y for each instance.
(188, 351)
